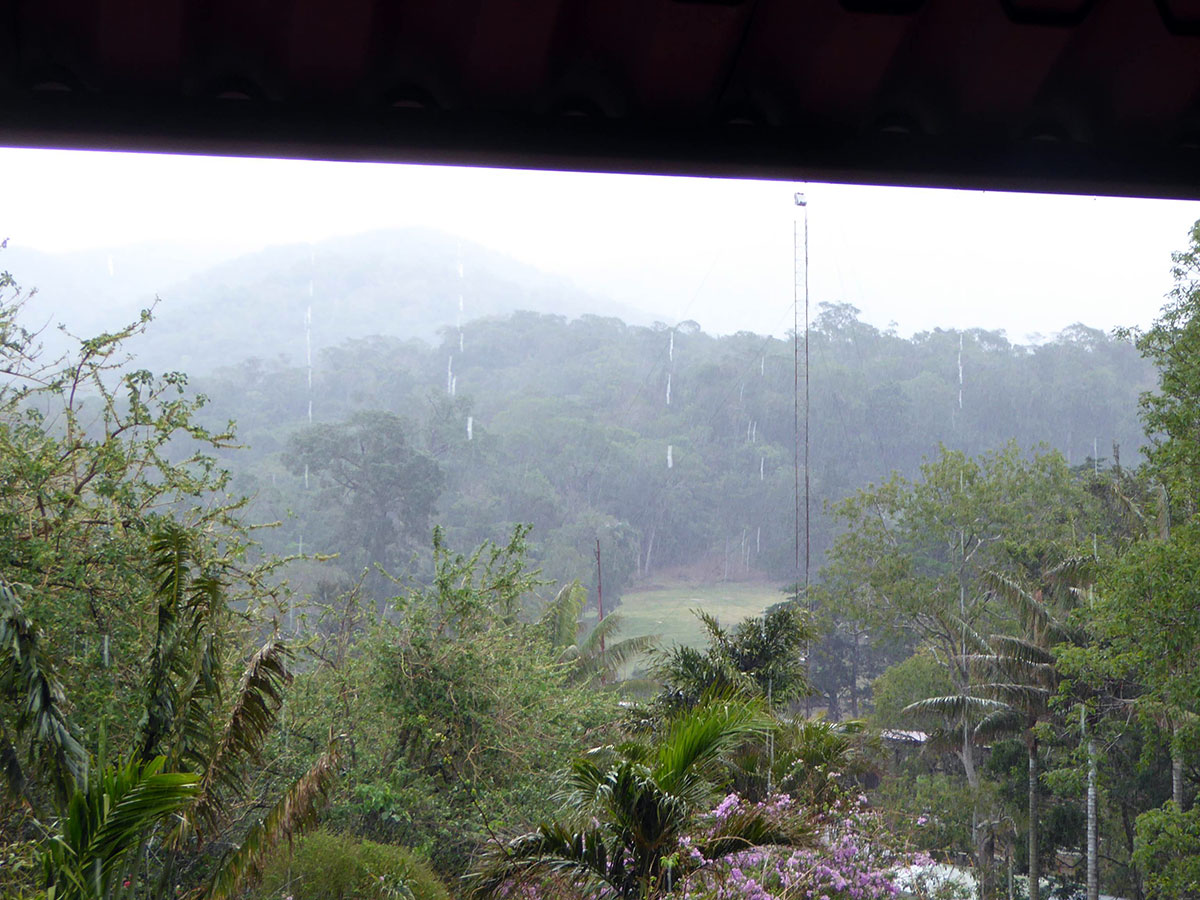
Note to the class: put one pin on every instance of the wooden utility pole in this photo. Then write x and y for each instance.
(600, 603)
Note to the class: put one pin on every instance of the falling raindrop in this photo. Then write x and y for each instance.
(450, 375)
(460, 341)
(306, 476)
(670, 457)
(762, 468)
(308, 350)
(754, 433)
(671, 348)
(762, 366)
(454, 386)
(960, 370)
(106, 651)
(470, 427)
(668, 389)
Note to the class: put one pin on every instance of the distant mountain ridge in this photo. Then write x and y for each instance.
(400, 282)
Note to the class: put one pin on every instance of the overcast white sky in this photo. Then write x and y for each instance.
(712, 250)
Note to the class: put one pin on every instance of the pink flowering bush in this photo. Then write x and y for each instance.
(853, 858)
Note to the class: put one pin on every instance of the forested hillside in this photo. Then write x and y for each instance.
(674, 447)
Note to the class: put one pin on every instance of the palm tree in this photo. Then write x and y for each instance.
(628, 809)
(29, 683)
(105, 827)
(190, 758)
(184, 692)
(594, 654)
(806, 758)
(763, 656)
(1020, 679)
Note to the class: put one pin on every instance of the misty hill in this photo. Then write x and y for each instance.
(93, 291)
(566, 424)
(402, 282)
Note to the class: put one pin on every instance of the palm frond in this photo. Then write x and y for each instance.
(718, 636)
(606, 629)
(103, 825)
(955, 708)
(974, 642)
(1071, 572)
(697, 739)
(553, 849)
(1029, 607)
(28, 678)
(1020, 650)
(1029, 698)
(749, 828)
(616, 656)
(561, 617)
(254, 713)
(172, 553)
(1003, 722)
(200, 699)
(584, 780)
(188, 607)
(295, 812)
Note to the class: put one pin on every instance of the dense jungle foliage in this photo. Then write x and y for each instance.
(358, 656)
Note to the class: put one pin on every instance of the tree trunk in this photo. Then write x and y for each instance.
(1093, 847)
(1176, 770)
(968, 758)
(854, 677)
(1035, 862)
(987, 852)
(981, 833)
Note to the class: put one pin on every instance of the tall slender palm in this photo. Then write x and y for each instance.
(628, 808)
(1018, 680)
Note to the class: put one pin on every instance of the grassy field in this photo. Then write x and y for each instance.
(667, 611)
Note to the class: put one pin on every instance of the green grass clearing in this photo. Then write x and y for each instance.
(667, 612)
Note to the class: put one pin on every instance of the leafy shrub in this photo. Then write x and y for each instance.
(328, 866)
(1167, 851)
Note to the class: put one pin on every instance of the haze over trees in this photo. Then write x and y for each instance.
(401, 680)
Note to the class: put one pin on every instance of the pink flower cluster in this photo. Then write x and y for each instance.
(852, 861)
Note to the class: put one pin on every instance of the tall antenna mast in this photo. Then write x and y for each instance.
(801, 203)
